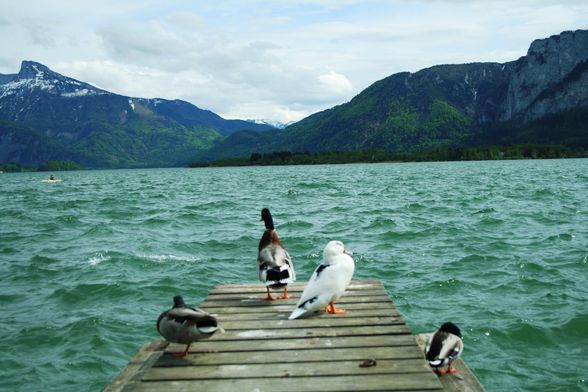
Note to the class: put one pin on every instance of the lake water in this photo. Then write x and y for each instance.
(500, 248)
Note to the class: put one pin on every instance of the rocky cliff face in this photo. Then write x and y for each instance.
(551, 78)
(453, 105)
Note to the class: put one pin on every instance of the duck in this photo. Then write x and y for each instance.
(443, 347)
(185, 325)
(276, 269)
(327, 283)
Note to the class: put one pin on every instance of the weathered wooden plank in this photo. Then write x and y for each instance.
(298, 286)
(383, 307)
(258, 302)
(298, 369)
(462, 381)
(261, 293)
(397, 382)
(353, 313)
(289, 333)
(230, 323)
(294, 355)
(131, 375)
(210, 346)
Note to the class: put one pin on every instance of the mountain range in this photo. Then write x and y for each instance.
(45, 115)
(541, 98)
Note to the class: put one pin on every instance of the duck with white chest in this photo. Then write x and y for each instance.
(328, 282)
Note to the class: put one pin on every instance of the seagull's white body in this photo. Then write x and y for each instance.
(328, 282)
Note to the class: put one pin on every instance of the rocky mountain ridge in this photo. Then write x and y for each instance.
(551, 78)
(540, 98)
(99, 128)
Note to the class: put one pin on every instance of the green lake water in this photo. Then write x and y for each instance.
(500, 248)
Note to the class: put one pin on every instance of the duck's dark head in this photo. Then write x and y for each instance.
(266, 216)
(179, 302)
(451, 328)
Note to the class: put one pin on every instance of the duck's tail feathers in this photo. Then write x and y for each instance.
(436, 363)
(297, 313)
(208, 330)
(279, 276)
(303, 308)
(440, 362)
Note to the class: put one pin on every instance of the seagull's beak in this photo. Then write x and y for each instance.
(347, 252)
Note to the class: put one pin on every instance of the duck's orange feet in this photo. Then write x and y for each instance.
(182, 354)
(451, 370)
(285, 296)
(269, 296)
(331, 309)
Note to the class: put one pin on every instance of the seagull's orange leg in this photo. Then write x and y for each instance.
(331, 309)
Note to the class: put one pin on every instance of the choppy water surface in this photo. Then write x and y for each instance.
(500, 248)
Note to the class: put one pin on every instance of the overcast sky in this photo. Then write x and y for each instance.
(259, 59)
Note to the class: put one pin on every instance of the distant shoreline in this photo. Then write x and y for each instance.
(283, 158)
(514, 152)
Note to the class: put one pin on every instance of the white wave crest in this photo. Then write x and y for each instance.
(97, 259)
(164, 258)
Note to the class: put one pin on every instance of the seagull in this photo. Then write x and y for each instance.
(443, 347)
(185, 325)
(276, 270)
(328, 282)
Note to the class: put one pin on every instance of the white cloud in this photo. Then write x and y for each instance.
(266, 59)
(335, 82)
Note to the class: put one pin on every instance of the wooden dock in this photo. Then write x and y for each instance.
(368, 349)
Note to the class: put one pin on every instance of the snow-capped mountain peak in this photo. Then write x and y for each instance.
(275, 124)
(36, 77)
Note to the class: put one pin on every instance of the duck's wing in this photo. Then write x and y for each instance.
(159, 320)
(452, 347)
(435, 345)
(442, 348)
(189, 317)
(331, 279)
(274, 255)
(317, 293)
(275, 265)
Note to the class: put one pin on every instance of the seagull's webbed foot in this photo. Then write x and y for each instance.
(331, 309)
